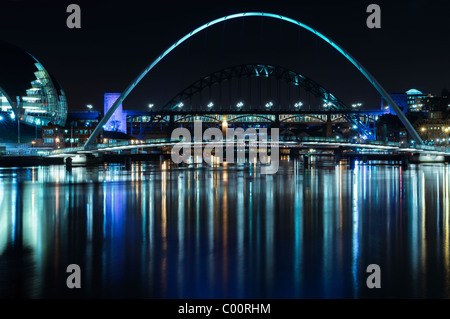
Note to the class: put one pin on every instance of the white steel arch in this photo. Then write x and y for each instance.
(347, 55)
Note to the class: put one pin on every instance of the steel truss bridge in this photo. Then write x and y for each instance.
(187, 105)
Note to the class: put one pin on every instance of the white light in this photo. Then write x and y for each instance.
(240, 104)
(1, 118)
(12, 115)
(180, 105)
(150, 105)
(89, 106)
(211, 104)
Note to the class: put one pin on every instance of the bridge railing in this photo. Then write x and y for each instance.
(411, 145)
(431, 148)
(66, 150)
(334, 140)
(343, 140)
(98, 146)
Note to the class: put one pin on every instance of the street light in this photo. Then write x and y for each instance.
(180, 105)
(150, 105)
(269, 104)
(240, 104)
(1, 118)
(89, 106)
(211, 104)
(298, 104)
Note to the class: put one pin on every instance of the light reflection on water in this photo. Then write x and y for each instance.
(225, 232)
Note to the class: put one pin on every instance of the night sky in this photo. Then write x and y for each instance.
(118, 39)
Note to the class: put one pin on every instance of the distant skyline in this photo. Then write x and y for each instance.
(118, 39)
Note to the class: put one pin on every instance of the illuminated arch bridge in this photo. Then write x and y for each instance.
(333, 44)
(299, 100)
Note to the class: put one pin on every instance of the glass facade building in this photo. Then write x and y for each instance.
(27, 91)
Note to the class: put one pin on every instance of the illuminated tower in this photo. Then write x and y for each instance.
(118, 121)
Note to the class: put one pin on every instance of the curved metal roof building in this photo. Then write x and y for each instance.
(27, 90)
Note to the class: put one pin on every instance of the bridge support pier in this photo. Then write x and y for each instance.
(329, 132)
(277, 122)
(171, 125)
(293, 152)
(306, 160)
(338, 155)
(128, 163)
(68, 163)
(405, 162)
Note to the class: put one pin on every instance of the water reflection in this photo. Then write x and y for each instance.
(162, 232)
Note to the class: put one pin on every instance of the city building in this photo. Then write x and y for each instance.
(28, 92)
(401, 99)
(118, 121)
(83, 118)
(415, 101)
(434, 129)
(77, 130)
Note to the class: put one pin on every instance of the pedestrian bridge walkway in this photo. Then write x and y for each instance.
(283, 142)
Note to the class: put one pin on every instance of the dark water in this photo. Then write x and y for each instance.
(225, 232)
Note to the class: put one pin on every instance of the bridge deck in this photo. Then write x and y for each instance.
(293, 142)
